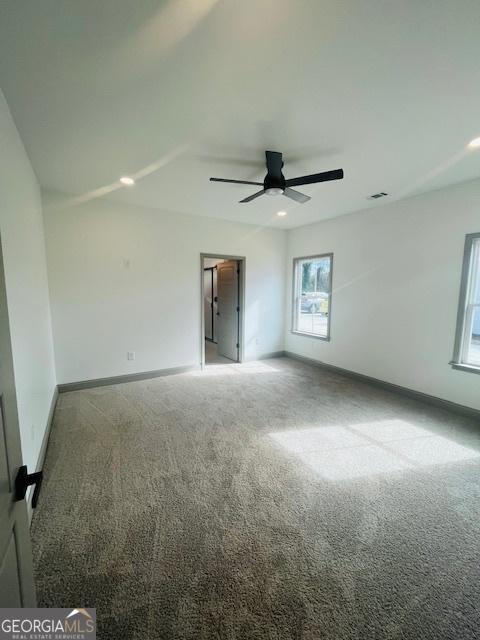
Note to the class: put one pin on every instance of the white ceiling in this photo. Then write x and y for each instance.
(176, 91)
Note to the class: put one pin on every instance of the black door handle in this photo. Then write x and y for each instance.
(24, 480)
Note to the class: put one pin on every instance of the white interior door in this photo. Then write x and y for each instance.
(208, 303)
(215, 305)
(227, 309)
(16, 568)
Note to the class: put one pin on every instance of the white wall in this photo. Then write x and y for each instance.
(396, 278)
(21, 229)
(124, 278)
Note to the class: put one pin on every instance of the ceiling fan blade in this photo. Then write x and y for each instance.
(296, 195)
(255, 195)
(274, 163)
(337, 174)
(235, 181)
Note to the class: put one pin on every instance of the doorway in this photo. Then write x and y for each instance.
(222, 294)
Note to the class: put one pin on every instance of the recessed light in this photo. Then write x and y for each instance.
(127, 181)
(281, 213)
(475, 143)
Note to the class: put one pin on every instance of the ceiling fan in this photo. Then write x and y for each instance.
(275, 184)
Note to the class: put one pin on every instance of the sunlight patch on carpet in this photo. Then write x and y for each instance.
(351, 451)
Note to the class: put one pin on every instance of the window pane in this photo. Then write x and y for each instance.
(473, 339)
(312, 295)
(475, 287)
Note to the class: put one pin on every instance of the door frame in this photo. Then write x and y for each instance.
(241, 300)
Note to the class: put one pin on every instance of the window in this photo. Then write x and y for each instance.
(467, 339)
(312, 292)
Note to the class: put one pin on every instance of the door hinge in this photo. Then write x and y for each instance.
(238, 309)
(238, 345)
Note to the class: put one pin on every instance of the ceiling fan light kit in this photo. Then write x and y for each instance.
(275, 183)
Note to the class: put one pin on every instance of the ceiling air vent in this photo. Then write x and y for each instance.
(376, 196)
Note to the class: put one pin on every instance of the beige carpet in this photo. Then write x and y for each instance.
(263, 500)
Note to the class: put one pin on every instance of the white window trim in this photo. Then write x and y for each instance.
(466, 307)
(296, 298)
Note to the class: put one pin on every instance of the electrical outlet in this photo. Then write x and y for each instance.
(130, 355)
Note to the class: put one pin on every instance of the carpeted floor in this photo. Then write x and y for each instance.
(267, 500)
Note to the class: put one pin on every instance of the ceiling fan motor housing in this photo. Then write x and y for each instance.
(274, 185)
